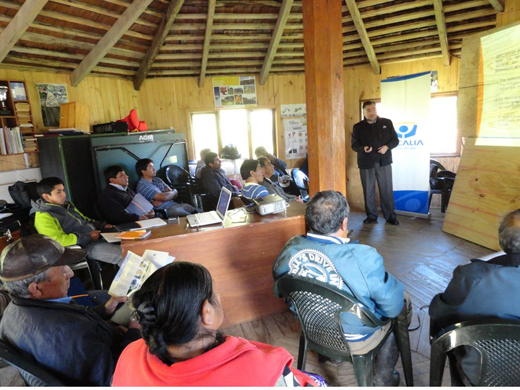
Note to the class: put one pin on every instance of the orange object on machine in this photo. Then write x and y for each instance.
(134, 124)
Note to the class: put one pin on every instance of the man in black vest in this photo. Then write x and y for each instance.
(372, 139)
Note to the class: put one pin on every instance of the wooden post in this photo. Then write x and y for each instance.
(322, 41)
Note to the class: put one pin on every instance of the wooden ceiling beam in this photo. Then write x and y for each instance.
(76, 20)
(100, 11)
(441, 28)
(169, 19)
(207, 41)
(285, 10)
(19, 24)
(360, 27)
(498, 5)
(106, 43)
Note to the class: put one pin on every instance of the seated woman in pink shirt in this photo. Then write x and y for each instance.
(180, 314)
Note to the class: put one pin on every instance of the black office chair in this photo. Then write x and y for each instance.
(302, 182)
(497, 341)
(33, 373)
(441, 182)
(318, 307)
(180, 179)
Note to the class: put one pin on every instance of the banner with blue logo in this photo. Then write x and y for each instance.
(406, 101)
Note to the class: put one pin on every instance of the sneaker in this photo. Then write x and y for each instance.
(369, 220)
(393, 221)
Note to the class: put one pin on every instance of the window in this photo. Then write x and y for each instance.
(246, 129)
(442, 122)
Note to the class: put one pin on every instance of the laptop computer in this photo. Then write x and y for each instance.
(212, 217)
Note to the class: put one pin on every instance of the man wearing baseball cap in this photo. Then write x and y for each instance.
(72, 341)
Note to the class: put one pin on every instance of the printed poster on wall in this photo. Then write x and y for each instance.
(51, 96)
(234, 92)
(295, 138)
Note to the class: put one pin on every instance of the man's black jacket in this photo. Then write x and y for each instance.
(375, 135)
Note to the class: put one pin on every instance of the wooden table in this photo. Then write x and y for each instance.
(239, 255)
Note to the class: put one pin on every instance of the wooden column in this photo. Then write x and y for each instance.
(322, 40)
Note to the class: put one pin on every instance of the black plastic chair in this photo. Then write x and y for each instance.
(497, 341)
(441, 182)
(318, 307)
(180, 179)
(33, 373)
(302, 182)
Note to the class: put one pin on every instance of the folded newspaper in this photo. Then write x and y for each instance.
(136, 269)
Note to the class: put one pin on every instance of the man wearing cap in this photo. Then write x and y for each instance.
(72, 341)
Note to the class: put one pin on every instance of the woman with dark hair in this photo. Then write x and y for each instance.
(180, 314)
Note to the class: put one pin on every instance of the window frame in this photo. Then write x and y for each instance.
(249, 131)
(433, 96)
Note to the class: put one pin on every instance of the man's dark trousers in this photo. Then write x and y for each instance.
(383, 176)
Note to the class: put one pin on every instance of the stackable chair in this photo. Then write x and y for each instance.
(180, 179)
(318, 307)
(441, 182)
(497, 341)
(302, 182)
(33, 374)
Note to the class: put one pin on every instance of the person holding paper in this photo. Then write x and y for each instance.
(117, 196)
(56, 217)
(74, 342)
(157, 191)
(373, 140)
(180, 315)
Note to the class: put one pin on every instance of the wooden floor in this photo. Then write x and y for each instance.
(419, 254)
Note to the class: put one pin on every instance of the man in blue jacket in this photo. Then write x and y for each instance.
(324, 254)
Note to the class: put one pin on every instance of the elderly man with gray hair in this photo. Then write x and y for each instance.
(73, 342)
(482, 289)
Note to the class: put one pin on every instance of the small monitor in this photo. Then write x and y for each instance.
(223, 202)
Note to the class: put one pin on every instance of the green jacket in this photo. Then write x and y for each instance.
(64, 224)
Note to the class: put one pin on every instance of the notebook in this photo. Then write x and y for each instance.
(212, 217)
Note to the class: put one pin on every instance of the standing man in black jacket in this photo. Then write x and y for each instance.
(372, 139)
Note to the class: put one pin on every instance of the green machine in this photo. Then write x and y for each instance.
(80, 160)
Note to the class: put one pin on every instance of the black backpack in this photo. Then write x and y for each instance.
(22, 193)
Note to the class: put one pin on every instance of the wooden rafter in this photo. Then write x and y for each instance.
(160, 36)
(19, 24)
(207, 40)
(365, 40)
(498, 5)
(106, 43)
(285, 11)
(441, 28)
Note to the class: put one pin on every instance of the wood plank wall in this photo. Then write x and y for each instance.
(487, 185)
(167, 102)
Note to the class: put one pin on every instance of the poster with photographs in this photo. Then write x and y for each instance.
(295, 138)
(234, 92)
(51, 96)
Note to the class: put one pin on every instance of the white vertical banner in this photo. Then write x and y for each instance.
(406, 101)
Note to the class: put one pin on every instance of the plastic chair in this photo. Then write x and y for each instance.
(33, 373)
(441, 182)
(497, 341)
(318, 307)
(181, 180)
(302, 182)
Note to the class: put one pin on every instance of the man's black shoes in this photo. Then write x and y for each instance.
(393, 221)
(369, 220)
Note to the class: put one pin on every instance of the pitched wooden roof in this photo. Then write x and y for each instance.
(217, 37)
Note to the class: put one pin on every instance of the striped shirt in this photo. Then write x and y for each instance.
(150, 189)
(253, 191)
